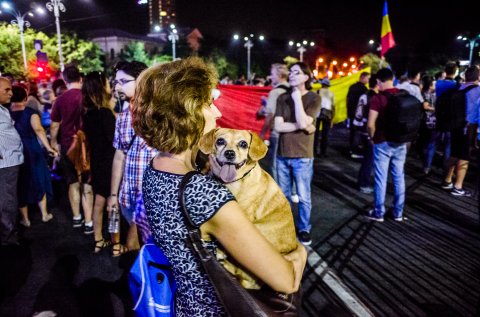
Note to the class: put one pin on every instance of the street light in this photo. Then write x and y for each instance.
(56, 6)
(472, 42)
(173, 36)
(22, 24)
(248, 45)
(301, 47)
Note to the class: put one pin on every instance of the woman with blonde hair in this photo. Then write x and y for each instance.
(173, 108)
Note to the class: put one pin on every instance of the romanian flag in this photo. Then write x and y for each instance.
(387, 36)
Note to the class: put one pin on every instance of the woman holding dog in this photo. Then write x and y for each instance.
(173, 108)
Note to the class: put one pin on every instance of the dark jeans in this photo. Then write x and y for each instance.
(355, 138)
(321, 137)
(8, 204)
(365, 172)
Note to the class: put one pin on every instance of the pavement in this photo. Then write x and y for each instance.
(427, 265)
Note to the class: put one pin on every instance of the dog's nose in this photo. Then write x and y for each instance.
(230, 154)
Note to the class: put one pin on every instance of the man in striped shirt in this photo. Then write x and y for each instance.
(11, 157)
(130, 161)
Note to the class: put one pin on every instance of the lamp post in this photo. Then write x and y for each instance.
(22, 24)
(56, 6)
(173, 36)
(472, 43)
(248, 45)
(301, 47)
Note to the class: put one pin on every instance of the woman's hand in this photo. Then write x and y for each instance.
(299, 258)
(52, 152)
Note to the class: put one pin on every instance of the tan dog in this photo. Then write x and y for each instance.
(237, 153)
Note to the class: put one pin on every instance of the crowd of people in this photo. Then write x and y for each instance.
(124, 145)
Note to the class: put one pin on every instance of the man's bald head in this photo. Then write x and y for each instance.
(5, 90)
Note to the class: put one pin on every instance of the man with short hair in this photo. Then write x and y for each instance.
(462, 137)
(132, 157)
(11, 157)
(354, 93)
(279, 78)
(412, 84)
(67, 119)
(385, 154)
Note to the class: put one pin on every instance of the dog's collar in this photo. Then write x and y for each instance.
(237, 178)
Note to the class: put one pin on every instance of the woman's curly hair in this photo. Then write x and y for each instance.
(168, 103)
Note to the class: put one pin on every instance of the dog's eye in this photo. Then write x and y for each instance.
(243, 144)
(221, 142)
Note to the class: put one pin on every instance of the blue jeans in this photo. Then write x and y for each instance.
(271, 156)
(301, 171)
(446, 138)
(430, 148)
(385, 155)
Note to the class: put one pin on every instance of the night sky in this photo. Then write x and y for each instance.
(417, 25)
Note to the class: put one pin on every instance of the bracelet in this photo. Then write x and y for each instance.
(113, 195)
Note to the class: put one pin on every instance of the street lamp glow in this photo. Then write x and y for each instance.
(371, 42)
(261, 37)
(174, 31)
(236, 37)
(352, 59)
(157, 28)
(334, 62)
(246, 38)
(251, 35)
(172, 26)
(312, 43)
(305, 42)
(30, 14)
(459, 37)
(345, 64)
(320, 60)
(40, 10)
(6, 5)
(298, 44)
(290, 43)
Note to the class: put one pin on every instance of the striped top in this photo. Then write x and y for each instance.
(11, 148)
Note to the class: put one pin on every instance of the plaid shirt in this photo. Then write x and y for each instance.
(136, 161)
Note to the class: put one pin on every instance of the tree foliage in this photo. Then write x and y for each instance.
(135, 51)
(85, 54)
(222, 64)
(374, 62)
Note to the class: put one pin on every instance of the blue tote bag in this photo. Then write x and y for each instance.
(152, 284)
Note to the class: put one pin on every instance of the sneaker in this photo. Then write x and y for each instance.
(304, 238)
(77, 223)
(295, 199)
(426, 171)
(356, 156)
(371, 215)
(366, 190)
(88, 229)
(25, 223)
(460, 192)
(399, 219)
(447, 186)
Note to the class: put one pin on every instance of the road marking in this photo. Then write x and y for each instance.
(336, 285)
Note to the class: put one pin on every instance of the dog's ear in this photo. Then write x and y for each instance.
(207, 142)
(258, 148)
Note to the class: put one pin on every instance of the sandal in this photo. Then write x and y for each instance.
(120, 250)
(101, 244)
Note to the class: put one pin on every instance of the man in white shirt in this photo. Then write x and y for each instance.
(11, 157)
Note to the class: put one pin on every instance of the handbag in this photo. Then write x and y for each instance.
(78, 154)
(236, 300)
(152, 284)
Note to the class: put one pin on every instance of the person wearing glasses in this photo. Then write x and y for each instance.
(131, 157)
(67, 120)
(295, 121)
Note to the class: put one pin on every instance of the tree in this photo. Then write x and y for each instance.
(222, 64)
(85, 54)
(135, 51)
(374, 62)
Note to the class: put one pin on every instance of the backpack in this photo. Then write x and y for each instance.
(152, 284)
(403, 117)
(451, 109)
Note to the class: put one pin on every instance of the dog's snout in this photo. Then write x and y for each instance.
(230, 154)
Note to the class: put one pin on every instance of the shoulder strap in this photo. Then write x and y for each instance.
(131, 142)
(468, 88)
(181, 198)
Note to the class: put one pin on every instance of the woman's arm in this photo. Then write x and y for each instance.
(252, 250)
(40, 132)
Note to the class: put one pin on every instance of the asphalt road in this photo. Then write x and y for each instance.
(428, 265)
